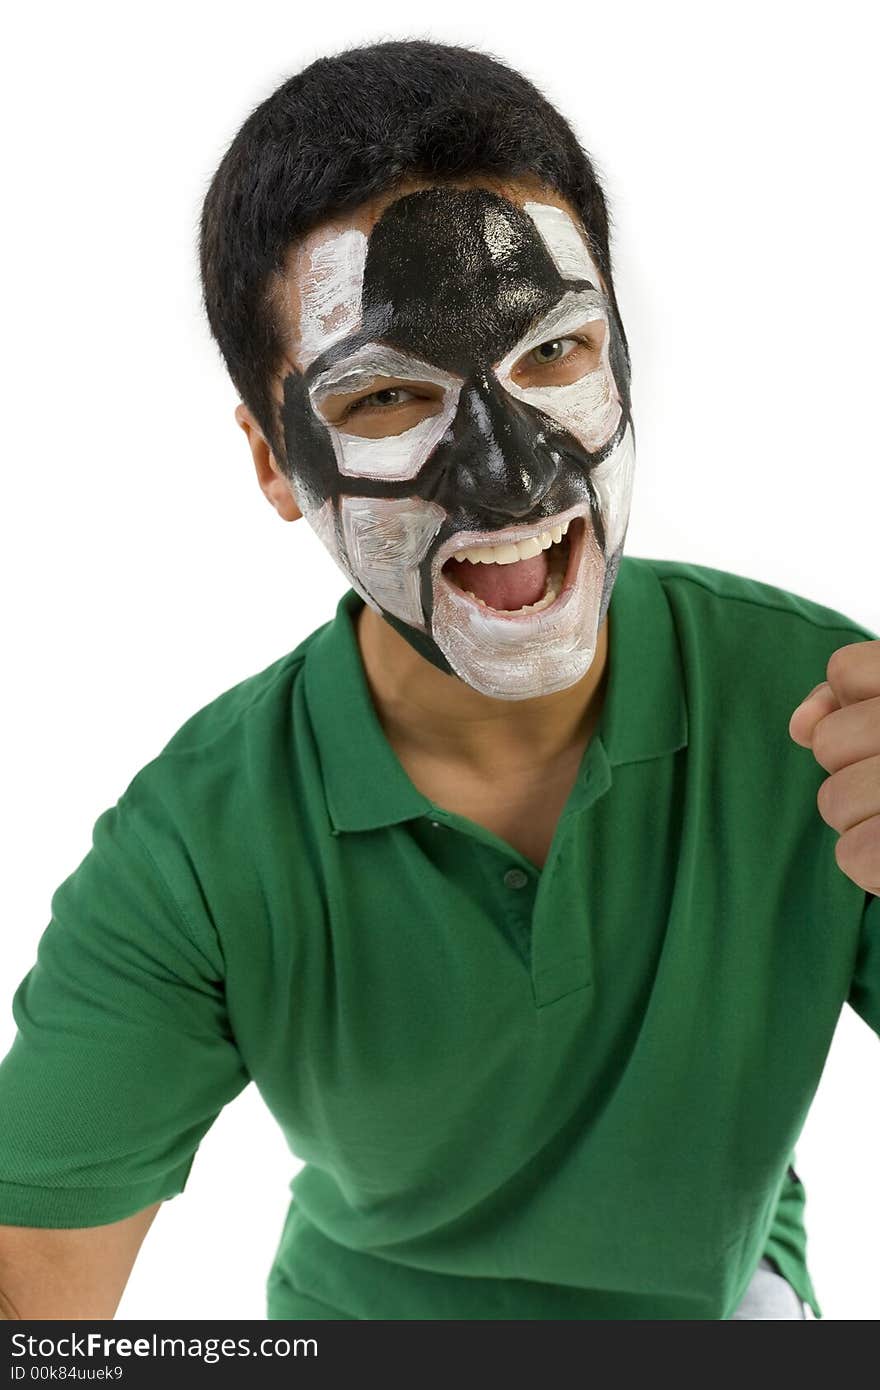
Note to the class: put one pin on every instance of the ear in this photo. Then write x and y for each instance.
(270, 477)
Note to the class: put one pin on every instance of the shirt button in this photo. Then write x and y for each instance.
(515, 878)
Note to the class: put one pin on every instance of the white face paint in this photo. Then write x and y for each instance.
(386, 539)
(565, 242)
(381, 543)
(588, 408)
(515, 658)
(330, 300)
(394, 456)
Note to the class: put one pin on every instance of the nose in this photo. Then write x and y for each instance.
(494, 459)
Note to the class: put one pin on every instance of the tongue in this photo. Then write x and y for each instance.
(504, 586)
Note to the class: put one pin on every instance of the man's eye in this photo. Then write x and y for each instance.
(554, 351)
(389, 395)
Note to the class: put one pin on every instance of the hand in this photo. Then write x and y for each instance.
(840, 721)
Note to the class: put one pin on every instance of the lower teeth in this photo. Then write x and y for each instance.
(554, 589)
(551, 596)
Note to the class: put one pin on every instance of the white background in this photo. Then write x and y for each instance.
(144, 572)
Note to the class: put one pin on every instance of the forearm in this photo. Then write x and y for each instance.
(7, 1311)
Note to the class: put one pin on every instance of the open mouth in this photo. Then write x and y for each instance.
(517, 581)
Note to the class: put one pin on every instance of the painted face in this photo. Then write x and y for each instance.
(464, 392)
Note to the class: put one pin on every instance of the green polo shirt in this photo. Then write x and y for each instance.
(569, 1093)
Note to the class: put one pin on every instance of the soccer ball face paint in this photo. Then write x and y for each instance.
(464, 388)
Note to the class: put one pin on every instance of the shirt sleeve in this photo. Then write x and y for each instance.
(124, 1055)
(864, 994)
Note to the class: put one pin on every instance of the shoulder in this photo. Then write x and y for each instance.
(261, 698)
(708, 593)
(219, 755)
(747, 647)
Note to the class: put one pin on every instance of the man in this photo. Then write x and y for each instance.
(508, 886)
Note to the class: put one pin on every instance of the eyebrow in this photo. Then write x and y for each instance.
(373, 360)
(575, 308)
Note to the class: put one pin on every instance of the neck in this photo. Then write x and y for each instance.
(434, 715)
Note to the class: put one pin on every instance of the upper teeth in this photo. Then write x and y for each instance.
(520, 550)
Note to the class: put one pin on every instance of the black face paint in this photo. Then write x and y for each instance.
(456, 277)
(453, 280)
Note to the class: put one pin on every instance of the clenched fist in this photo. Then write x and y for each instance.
(840, 722)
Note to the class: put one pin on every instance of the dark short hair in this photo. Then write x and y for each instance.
(340, 132)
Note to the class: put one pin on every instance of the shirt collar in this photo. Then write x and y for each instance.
(644, 715)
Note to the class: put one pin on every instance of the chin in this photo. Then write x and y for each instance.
(527, 654)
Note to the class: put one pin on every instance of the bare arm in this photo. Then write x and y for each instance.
(69, 1274)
